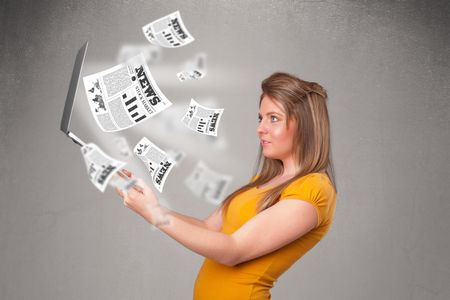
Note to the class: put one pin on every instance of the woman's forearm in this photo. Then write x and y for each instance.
(185, 218)
(190, 232)
(194, 235)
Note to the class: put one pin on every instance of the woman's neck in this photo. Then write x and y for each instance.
(290, 168)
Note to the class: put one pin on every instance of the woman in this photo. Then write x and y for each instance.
(264, 227)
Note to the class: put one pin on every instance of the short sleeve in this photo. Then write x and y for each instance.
(316, 189)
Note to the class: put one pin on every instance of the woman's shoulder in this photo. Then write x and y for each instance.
(317, 181)
(316, 177)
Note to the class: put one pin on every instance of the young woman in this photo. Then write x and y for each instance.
(264, 227)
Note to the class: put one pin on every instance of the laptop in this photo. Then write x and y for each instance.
(125, 183)
(68, 106)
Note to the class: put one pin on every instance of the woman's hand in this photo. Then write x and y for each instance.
(140, 198)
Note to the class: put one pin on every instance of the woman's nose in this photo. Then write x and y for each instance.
(261, 128)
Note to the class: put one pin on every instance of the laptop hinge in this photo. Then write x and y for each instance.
(76, 139)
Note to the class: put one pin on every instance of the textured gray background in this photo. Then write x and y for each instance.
(385, 65)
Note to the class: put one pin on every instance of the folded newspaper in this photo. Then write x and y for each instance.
(102, 169)
(202, 119)
(124, 95)
(168, 31)
(158, 163)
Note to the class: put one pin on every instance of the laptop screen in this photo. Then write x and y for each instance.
(67, 114)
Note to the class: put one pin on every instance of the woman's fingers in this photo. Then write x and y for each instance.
(133, 194)
(144, 188)
(118, 191)
(138, 188)
(128, 173)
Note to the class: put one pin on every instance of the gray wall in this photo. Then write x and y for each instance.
(385, 65)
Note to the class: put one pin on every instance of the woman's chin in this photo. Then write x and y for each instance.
(269, 155)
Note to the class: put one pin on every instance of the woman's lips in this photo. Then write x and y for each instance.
(264, 143)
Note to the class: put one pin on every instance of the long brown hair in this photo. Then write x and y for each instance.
(305, 102)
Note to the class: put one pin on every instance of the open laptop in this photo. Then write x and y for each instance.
(126, 183)
(68, 107)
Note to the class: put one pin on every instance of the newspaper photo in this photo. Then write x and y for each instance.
(194, 68)
(100, 166)
(202, 119)
(158, 163)
(208, 184)
(168, 31)
(124, 95)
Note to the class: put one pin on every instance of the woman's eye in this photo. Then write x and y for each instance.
(259, 119)
(274, 118)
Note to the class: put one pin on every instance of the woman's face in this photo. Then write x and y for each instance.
(275, 134)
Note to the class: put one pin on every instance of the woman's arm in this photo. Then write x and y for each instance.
(266, 232)
(212, 222)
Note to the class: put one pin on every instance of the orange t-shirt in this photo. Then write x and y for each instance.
(254, 278)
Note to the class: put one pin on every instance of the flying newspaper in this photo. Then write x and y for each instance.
(158, 163)
(168, 32)
(125, 95)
